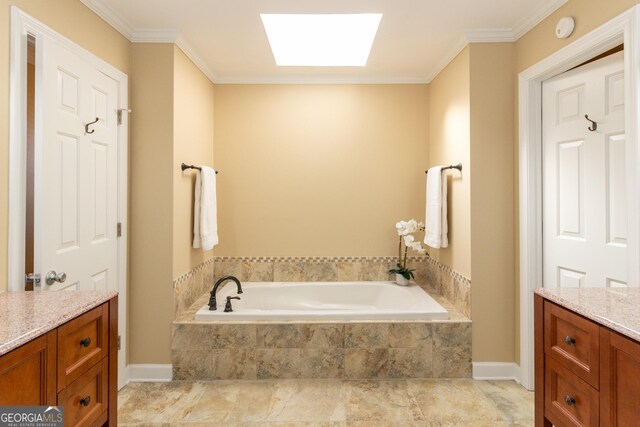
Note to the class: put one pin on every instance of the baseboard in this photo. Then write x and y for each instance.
(496, 371)
(149, 373)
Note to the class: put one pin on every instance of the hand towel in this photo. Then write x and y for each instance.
(436, 227)
(205, 211)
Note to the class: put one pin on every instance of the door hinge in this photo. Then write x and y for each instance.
(119, 229)
(120, 111)
(119, 342)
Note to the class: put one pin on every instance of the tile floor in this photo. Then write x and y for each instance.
(376, 403)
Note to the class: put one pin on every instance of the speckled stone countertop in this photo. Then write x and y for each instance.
(27, 315)
(617, 309)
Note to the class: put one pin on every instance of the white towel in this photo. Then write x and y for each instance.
(205, 211)
(436, 227)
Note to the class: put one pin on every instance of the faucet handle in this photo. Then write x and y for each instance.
(227, 306)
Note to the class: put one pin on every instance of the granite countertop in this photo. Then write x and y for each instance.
(27, 315)
(615, 308)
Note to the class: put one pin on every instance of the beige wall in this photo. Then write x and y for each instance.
(324, 170)
(492, 193)
(531, 48)
(151, 188)
(193, 144)
(449, 143)
(88, 31)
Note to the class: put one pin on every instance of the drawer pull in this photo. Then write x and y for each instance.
(569, 340)
(569, 400)
(87, 399)
(85, 342)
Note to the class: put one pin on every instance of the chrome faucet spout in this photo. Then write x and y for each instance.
(212, 299)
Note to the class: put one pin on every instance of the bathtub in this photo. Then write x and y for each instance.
(328, 301)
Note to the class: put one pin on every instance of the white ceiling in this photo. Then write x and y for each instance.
(415, 40)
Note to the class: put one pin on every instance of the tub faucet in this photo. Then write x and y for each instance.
(212, 300)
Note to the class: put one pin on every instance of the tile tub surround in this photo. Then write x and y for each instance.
(337, 350)
(429, 272)
(27, 315)
(188, 287)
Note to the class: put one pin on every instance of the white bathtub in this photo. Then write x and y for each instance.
(325, 301)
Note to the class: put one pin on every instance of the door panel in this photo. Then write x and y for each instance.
(584, 191)
(76, 175)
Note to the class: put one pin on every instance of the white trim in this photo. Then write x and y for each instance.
(446, 60)
(496, 371)
(155, 36)
(21, 25)
(112, 18)
(191, 53)
(321, 80)
(150, 373)
(140, 35)
(542, 11)
(623, 28)
(491, 35)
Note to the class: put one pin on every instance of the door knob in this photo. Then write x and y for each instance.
(53, 277)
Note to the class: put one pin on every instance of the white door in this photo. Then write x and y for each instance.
(584, 197)
(75, 201)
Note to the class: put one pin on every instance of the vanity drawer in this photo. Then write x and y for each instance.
(569, 401)
(572, 341)
(86, 399)
(82, 342)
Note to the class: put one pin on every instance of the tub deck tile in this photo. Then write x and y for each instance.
(278, 363)
(322, 335)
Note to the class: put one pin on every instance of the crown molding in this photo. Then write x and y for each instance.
(321, 80)
(155, 36)
(541, 12)
(491, 35)
(191, 53)
(446, 60)
(497, 35)
(110, 17)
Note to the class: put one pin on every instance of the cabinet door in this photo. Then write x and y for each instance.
(28, 373)
(619, 379)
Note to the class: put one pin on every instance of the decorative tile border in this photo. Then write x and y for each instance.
(188, 287)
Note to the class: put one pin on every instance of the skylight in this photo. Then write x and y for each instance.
(323, 40)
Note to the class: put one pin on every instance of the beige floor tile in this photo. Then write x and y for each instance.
(515, 402)
(308, 424)
(125, 393)
(307, 401)
(160, 402)
(228, 401)
(453, 401)
(380, 401)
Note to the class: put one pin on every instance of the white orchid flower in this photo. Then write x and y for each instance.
(416, 246)
(412, 226)
(408, 240)
(403, 228)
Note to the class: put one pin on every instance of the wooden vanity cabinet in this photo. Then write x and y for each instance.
(28, 373)
(586, 374)
(73, 365)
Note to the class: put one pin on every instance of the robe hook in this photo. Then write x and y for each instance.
(594, 125)
(86, 127)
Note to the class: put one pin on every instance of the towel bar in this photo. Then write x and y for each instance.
(185, 166)
(458, 166)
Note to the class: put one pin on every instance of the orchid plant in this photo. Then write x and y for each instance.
(405, 231)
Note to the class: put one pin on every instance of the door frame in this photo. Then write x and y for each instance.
(21, 25)
(621, 29)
